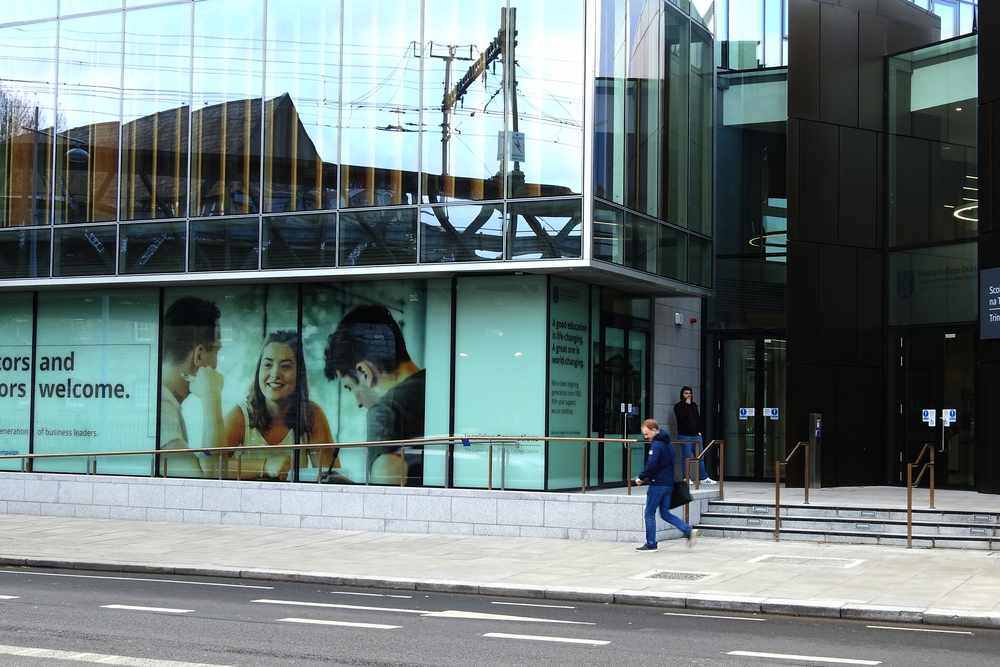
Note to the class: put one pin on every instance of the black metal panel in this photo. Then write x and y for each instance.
(989, 52)
(801, 298)
(859, 177)
(838, 304)
(871, 71)
(857, 445)
(792, 152)
(819, 187)
(901, 36)
(871, 302)
(838, 65)
(803, 59)
(988, 425)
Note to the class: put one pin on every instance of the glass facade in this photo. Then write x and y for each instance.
(345, 116)
(933, 181)
(653, 144)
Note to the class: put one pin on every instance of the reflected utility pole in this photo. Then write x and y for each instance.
(446, 108)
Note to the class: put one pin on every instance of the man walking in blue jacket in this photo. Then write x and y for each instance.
(659, 476)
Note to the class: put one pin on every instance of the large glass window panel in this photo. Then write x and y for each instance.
(229, 245)
(84, 251)
(68, 7)
(609, 101)
(24, 253)
(95, 375)
(16, 324)
(299, 241)
(463, 95)
(379, 236)
(671, 261)
(933, 285)
(676, 114)
(641, 243)
(27, 122)
(933, 170)
(156, 95)
(701, 124)
(381, 103)
(461, 233)
(545, 104)
(225, 121)
(28, 11)
(644, 163)
(500, 333)
(609, 233)
(699, 261)
(89, 93)
(544, 229)
(300, 110)
(152, 248)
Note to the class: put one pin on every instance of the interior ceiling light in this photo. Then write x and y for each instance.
(763, 242)
(969, 213)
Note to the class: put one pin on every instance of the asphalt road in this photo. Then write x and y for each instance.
(52, 618)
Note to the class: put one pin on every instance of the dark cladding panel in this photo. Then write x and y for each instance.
(985, 166)
(803, 59)
(802, 297)
(871, 300)
(894, 8)
(863, 5)
(792, 152)
(988, 426)
(989, 52)
(859, 177)
(838, 62)
(857, 389)
(871, 71)
(838, 304)
(819, 175)
(901, 36)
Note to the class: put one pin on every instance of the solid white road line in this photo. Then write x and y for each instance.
(346, 624)
(537, 638)
(943, 632)
(8, 597)
(450, 613)
(728, 618)
(101, 658)
(162, 610)
(808, 658)
(529, 604)
(158, 581)
(372, 595)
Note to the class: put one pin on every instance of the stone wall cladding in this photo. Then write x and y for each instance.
(592, 516)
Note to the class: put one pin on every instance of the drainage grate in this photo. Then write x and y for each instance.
(807, 560)
(678, 576)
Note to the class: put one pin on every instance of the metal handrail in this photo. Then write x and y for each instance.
(909, 488)
(777, 484)
(502, 441)
(696, 461)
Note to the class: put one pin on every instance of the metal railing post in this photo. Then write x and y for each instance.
(583, 468)
(368, 472)
(628, 466)
(489, 475)
(932, 478)
(807, 472)
(909, 505)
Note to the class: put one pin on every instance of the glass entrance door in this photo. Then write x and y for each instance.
(621, 380)
(752, 379)
(937, 371)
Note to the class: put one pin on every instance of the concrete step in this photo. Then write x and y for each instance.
(852, 525)
(859, 513)
(766, 532)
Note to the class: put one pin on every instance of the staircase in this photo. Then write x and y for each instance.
(852, 525)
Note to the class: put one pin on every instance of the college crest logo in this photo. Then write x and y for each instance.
(904, 284)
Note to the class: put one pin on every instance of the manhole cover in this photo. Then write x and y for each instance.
(807, 560)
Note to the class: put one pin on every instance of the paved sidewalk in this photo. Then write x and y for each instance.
(886, 584)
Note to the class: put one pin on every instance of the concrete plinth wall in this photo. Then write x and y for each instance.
(600, 517)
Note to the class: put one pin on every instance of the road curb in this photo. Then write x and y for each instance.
(851, 611)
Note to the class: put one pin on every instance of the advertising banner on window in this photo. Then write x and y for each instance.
(569, 370)
(376, 367)
(232, 375)
(15, 376)
(95, 368)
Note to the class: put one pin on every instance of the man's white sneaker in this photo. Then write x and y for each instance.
(692, 537)
(708, 480)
